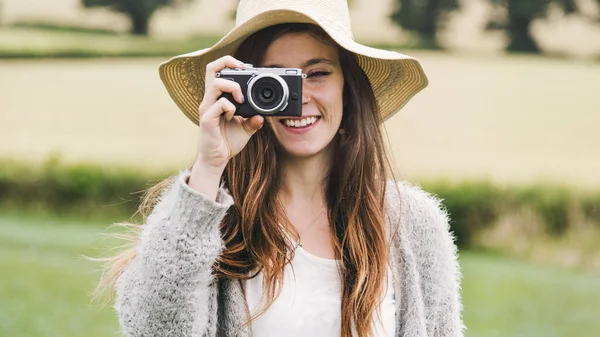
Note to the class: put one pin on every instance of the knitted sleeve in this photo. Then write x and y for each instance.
(436, 257)
(168, 288)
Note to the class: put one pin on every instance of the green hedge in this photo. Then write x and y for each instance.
(471, 205)
(89, 189)
(85, 189)
(477, 205)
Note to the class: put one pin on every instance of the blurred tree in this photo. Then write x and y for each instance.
(138, 11)
(423, 17)
(515, 17)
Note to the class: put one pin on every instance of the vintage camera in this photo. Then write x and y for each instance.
(267, 91)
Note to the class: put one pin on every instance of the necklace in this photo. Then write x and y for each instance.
(309, 226)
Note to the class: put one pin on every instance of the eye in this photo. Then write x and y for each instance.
(319, 73)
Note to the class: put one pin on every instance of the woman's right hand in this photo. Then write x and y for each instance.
(222, 135)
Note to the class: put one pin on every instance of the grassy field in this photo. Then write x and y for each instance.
(45, 281)
(33, 41)
(510, 119)
(504, 297)
(45, 286)
(56, 41)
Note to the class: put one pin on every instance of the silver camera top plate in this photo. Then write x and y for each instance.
(257, 71)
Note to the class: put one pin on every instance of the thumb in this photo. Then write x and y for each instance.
(254, 123)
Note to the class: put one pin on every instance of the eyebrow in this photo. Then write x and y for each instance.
(308, 63)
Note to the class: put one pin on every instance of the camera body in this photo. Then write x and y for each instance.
(267, 91)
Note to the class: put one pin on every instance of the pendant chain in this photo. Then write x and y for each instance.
(309, 226)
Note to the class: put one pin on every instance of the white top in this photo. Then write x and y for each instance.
(310, 301)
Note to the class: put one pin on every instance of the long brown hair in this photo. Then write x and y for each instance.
(355, 188)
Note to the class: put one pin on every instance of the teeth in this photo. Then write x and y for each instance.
(300, 123)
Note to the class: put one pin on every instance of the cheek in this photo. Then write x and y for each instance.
(332, 104)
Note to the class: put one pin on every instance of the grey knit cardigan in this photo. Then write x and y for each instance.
(168, 289)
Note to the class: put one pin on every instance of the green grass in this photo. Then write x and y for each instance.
(62, 27)
(42, 42)
(504, 297)
(45, 287)
(46, 282)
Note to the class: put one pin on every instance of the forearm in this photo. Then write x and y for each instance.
(165, 289)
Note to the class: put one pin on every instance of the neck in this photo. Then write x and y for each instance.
(303, 179)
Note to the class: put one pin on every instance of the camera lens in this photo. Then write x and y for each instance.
(268, 93)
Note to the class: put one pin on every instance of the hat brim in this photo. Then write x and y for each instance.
(395, 78)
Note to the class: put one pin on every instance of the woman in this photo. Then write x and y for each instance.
(288, 226)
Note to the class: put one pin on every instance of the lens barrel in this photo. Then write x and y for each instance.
(267, 93)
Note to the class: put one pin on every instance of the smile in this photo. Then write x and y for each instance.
(300, 123)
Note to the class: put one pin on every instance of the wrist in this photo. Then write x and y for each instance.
(205, 179)
(208, 169)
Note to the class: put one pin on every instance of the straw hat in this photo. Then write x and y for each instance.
(395, 77)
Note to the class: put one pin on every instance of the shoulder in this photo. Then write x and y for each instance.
(426, 241)
(424, 229)
(414, 208)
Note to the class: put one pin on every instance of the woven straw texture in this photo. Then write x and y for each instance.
(395, 77)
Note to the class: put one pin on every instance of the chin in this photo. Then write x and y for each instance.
(299, 152)
(303, 150)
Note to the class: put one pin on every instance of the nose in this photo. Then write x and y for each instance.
(305, 95)
(305, 99)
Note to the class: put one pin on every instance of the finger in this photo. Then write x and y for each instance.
(253, 124)
(217, 65)
(223, 107)
(220, 86)
(228, 109)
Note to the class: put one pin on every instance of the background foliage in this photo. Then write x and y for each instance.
(91, 189)
(427, 18)
(139, 11)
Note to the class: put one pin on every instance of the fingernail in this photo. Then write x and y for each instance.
(241, 98)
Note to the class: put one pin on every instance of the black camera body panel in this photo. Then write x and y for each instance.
(267, 91)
